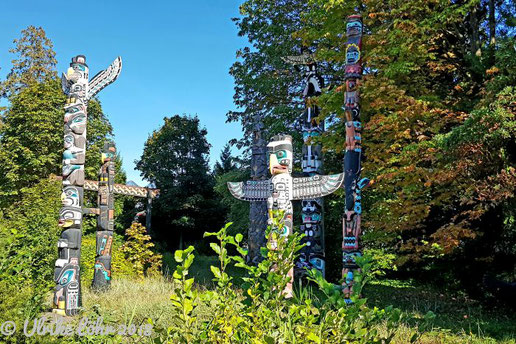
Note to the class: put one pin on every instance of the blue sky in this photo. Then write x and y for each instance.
(176, 57)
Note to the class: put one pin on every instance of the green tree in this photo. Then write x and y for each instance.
(35, 62)
(31, 138)
(430, 66)
(236, 211)
(264, 83)
(226, 163)
(175, 158)
(138, 250)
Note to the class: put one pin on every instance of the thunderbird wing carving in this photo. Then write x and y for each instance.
(104, 78)
(316, 186)
(303, 59)
(252, 190)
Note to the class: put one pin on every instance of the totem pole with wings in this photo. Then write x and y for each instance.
(281, 189)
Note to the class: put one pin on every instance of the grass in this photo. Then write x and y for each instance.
(132, 301)
(458, 319)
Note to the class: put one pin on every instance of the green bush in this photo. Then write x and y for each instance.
(28, 236)
(260, 312)
(120, 266)
(138, 250)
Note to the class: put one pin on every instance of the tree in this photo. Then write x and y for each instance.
(263, 82)
(428, 71)
(28, 237)
(31, 138)
(35, 63)
(226, 163)
(175, 158)
(31, 130)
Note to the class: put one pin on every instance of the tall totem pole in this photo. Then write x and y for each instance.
(67, 296)
(312, 255)
(105, 218)
(353, 184)
(258, 208)
(281, 189)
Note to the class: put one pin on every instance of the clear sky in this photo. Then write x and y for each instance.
(176, 58)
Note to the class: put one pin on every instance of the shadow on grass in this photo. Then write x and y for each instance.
(458, 314)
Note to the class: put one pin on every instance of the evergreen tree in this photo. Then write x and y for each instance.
(31, 130)
(175, 158)
(226, 163)
(35, 62)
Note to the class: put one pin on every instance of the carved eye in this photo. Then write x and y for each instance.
(78, 119)
(281, 154)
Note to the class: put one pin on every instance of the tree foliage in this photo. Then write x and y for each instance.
(28, 236)
(138, 250)
(31, 136)
(226, 163)
(438, 115)
(175, 158)
(35, 61)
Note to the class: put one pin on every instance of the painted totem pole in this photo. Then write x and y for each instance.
(312, 255)
(353, 184)
(67, 296)
(106, 189)
(105, 218)
(280, 190)
(258, 208)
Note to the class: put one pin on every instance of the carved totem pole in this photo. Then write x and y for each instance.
(258, 208)
(280, 190)
(105, 218)
(312, 255)
(353, 184)
(67, 296)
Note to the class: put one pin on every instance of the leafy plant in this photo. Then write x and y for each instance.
(138, 250)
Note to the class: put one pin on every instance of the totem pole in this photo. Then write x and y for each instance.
(280, 190)
(312, 255)
(353, 184)
(67, 296)
(258, 208)
(105, 218)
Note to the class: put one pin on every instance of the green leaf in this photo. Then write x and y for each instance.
(215, 247)
(188, 284)
(189, 260)
(178, 256)
(216, 271)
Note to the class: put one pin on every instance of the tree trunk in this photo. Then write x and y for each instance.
(492, 32)
(474, 36)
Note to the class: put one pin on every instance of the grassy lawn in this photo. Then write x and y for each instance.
(458, 319)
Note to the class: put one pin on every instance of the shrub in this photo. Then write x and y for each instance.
(261, 312)
(138, 251)
(120, 266)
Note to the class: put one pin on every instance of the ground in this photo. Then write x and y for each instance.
(458, 319)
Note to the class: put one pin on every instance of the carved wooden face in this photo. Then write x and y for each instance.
(77, 123)
(70, 197)
(280, 155)
(69, 217)
(354, 26)
(108, 152)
